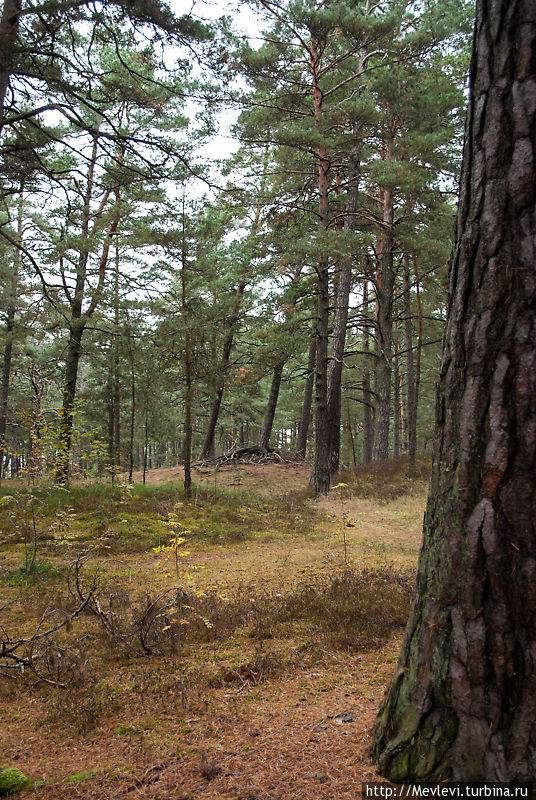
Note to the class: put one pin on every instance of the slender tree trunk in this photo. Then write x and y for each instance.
(384, 290)
(72, 360)
(266, 432)
(111, 427)
(208, 445)
(146, 445)
(410, 372)
(351, 435)
(320, 477)
(77, 326)
(116, 404)
(419, 342)
(397, 409)
(10, 328)
(368, 431)
(339, 331)
(461, 703)
(303, 431)
(187, 447)
(6, 377)
(132, 417)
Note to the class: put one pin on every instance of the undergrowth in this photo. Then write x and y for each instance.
(349, 609)
(384, 481)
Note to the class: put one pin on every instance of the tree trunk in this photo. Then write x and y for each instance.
(303, 431)
(9, 28)
(339, 331)
(10, 327)
(208, 445)
(461, 704)
(69, 391)
(368, 432)
(397, 409)
(116, 388)
(187, 447)
(384, 291)
(111, 427)
(264, 439)
(410, 372)
(79, 320)
(320, 477)
(132, 405)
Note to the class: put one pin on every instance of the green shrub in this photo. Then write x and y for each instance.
(12, 781)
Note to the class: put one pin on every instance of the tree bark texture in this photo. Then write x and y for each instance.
(461, 704)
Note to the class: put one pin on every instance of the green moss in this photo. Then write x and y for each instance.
(85, 775)
(12, 781)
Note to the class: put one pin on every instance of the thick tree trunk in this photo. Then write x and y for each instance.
(339, 332)
(305, 421)
(461, 704)
(384, 291)
(410, 371)
(266, 432)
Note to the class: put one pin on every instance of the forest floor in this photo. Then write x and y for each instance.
(290, 620)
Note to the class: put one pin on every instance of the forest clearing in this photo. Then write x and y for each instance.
(303, 640)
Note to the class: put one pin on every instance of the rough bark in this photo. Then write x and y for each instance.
(340, 323)
(461, 704)
(266, 432)
(301, 445)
